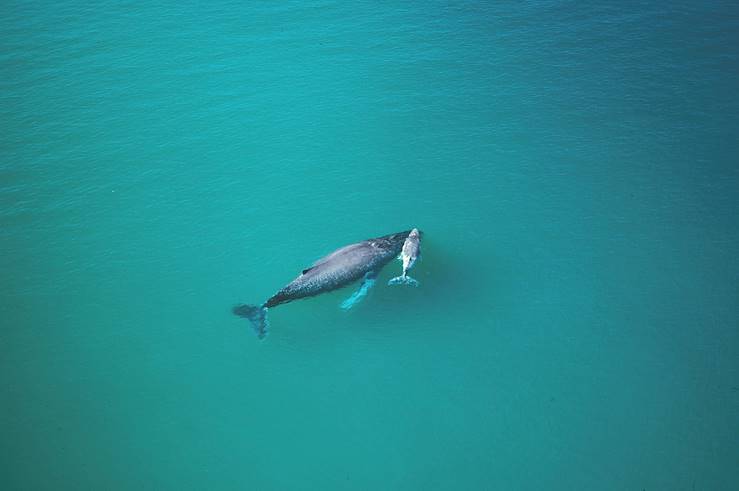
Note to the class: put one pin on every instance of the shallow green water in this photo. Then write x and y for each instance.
(573, 168)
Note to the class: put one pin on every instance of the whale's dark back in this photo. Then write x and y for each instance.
(342, 267)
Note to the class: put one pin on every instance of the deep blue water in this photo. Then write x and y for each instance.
(573, 167)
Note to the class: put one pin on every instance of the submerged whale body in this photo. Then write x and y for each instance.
(336, 270)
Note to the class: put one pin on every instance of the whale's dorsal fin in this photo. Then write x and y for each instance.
(307, 269)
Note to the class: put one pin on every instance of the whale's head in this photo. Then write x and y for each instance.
(394, 242)
(415, 233)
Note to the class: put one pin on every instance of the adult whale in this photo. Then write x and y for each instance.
(338, 269)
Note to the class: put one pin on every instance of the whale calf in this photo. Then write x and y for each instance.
(338, 269)
(409, 255)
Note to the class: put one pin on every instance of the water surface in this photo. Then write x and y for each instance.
(573, 168)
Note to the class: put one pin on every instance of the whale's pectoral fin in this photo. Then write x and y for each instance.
(367, 283)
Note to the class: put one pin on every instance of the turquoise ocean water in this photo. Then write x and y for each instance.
(572, 165)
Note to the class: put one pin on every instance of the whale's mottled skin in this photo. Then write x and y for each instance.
(338, 269)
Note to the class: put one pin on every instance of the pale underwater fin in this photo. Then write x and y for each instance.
(403, 280)
(367, 283)
(256, 315)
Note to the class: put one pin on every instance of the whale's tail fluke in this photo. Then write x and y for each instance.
(403, 280)
(257, 315)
